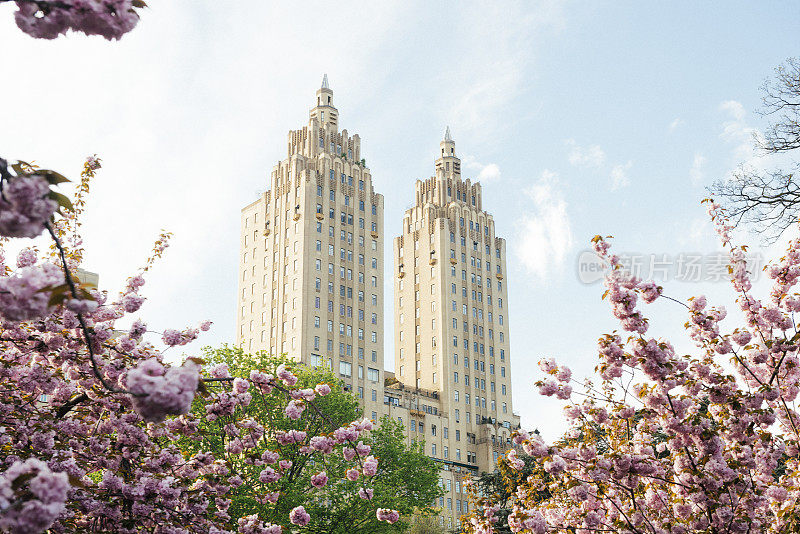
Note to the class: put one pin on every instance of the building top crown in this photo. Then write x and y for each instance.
(325, 112)
(448, 147)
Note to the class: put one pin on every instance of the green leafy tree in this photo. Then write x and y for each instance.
(406, 480)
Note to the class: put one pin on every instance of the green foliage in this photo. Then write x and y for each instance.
(406, 481)
(425, 524)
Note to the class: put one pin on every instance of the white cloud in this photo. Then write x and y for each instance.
(742, 137)
(545, 236)
(696, 172)
(589, 157)
(485, 73)
(700, 230)
(675, 123)
(736, 131)
(482, 173)
(735, 108)
(619, 176)
(489, 173)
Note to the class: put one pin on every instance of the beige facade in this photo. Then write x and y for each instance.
(311, 286)
(452, 358)
(311, 258)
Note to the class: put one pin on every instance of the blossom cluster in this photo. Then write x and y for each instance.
(48, 19)
(668, 442)
(25, 206)
(48, 493)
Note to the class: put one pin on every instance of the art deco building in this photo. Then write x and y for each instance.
(311, 259)
(452, 361)
(311, 287)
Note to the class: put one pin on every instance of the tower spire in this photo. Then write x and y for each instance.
(325, 112)
(448, 163)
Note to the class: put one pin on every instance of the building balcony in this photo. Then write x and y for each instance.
(374, 235)
(320, 216)
(453, 261)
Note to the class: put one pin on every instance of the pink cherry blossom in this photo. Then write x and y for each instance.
(322, 389)
(319, 480)
(110, 18)
(385, 514)
(298, 516)
(24, 206)
(370, 466)
(286, 375)
(34, 513)
(158, 391)
(513, 461)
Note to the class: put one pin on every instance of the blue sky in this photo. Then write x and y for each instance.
(580, 118)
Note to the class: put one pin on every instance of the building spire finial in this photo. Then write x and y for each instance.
(447, 135)
(325, 81)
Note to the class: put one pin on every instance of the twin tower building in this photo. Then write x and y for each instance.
(311, 285)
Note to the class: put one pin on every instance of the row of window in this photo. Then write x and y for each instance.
(319, 361)
(463, 241)
(480, 383)
(332, 198)
(335, 148)
(331, 233)
(347, 329)
(346, 370)
(345, 179)
(345, 273)
(344, 290)
(463, 244)
(344, 254)
(447, 485)
(457, 412)
(480, 402)
(346, 349)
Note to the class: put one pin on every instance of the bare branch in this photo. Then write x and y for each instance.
(781, 98)
(769, 201)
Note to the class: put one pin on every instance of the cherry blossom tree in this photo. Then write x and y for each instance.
(90, 412)
(405, 479)
(664, 442)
